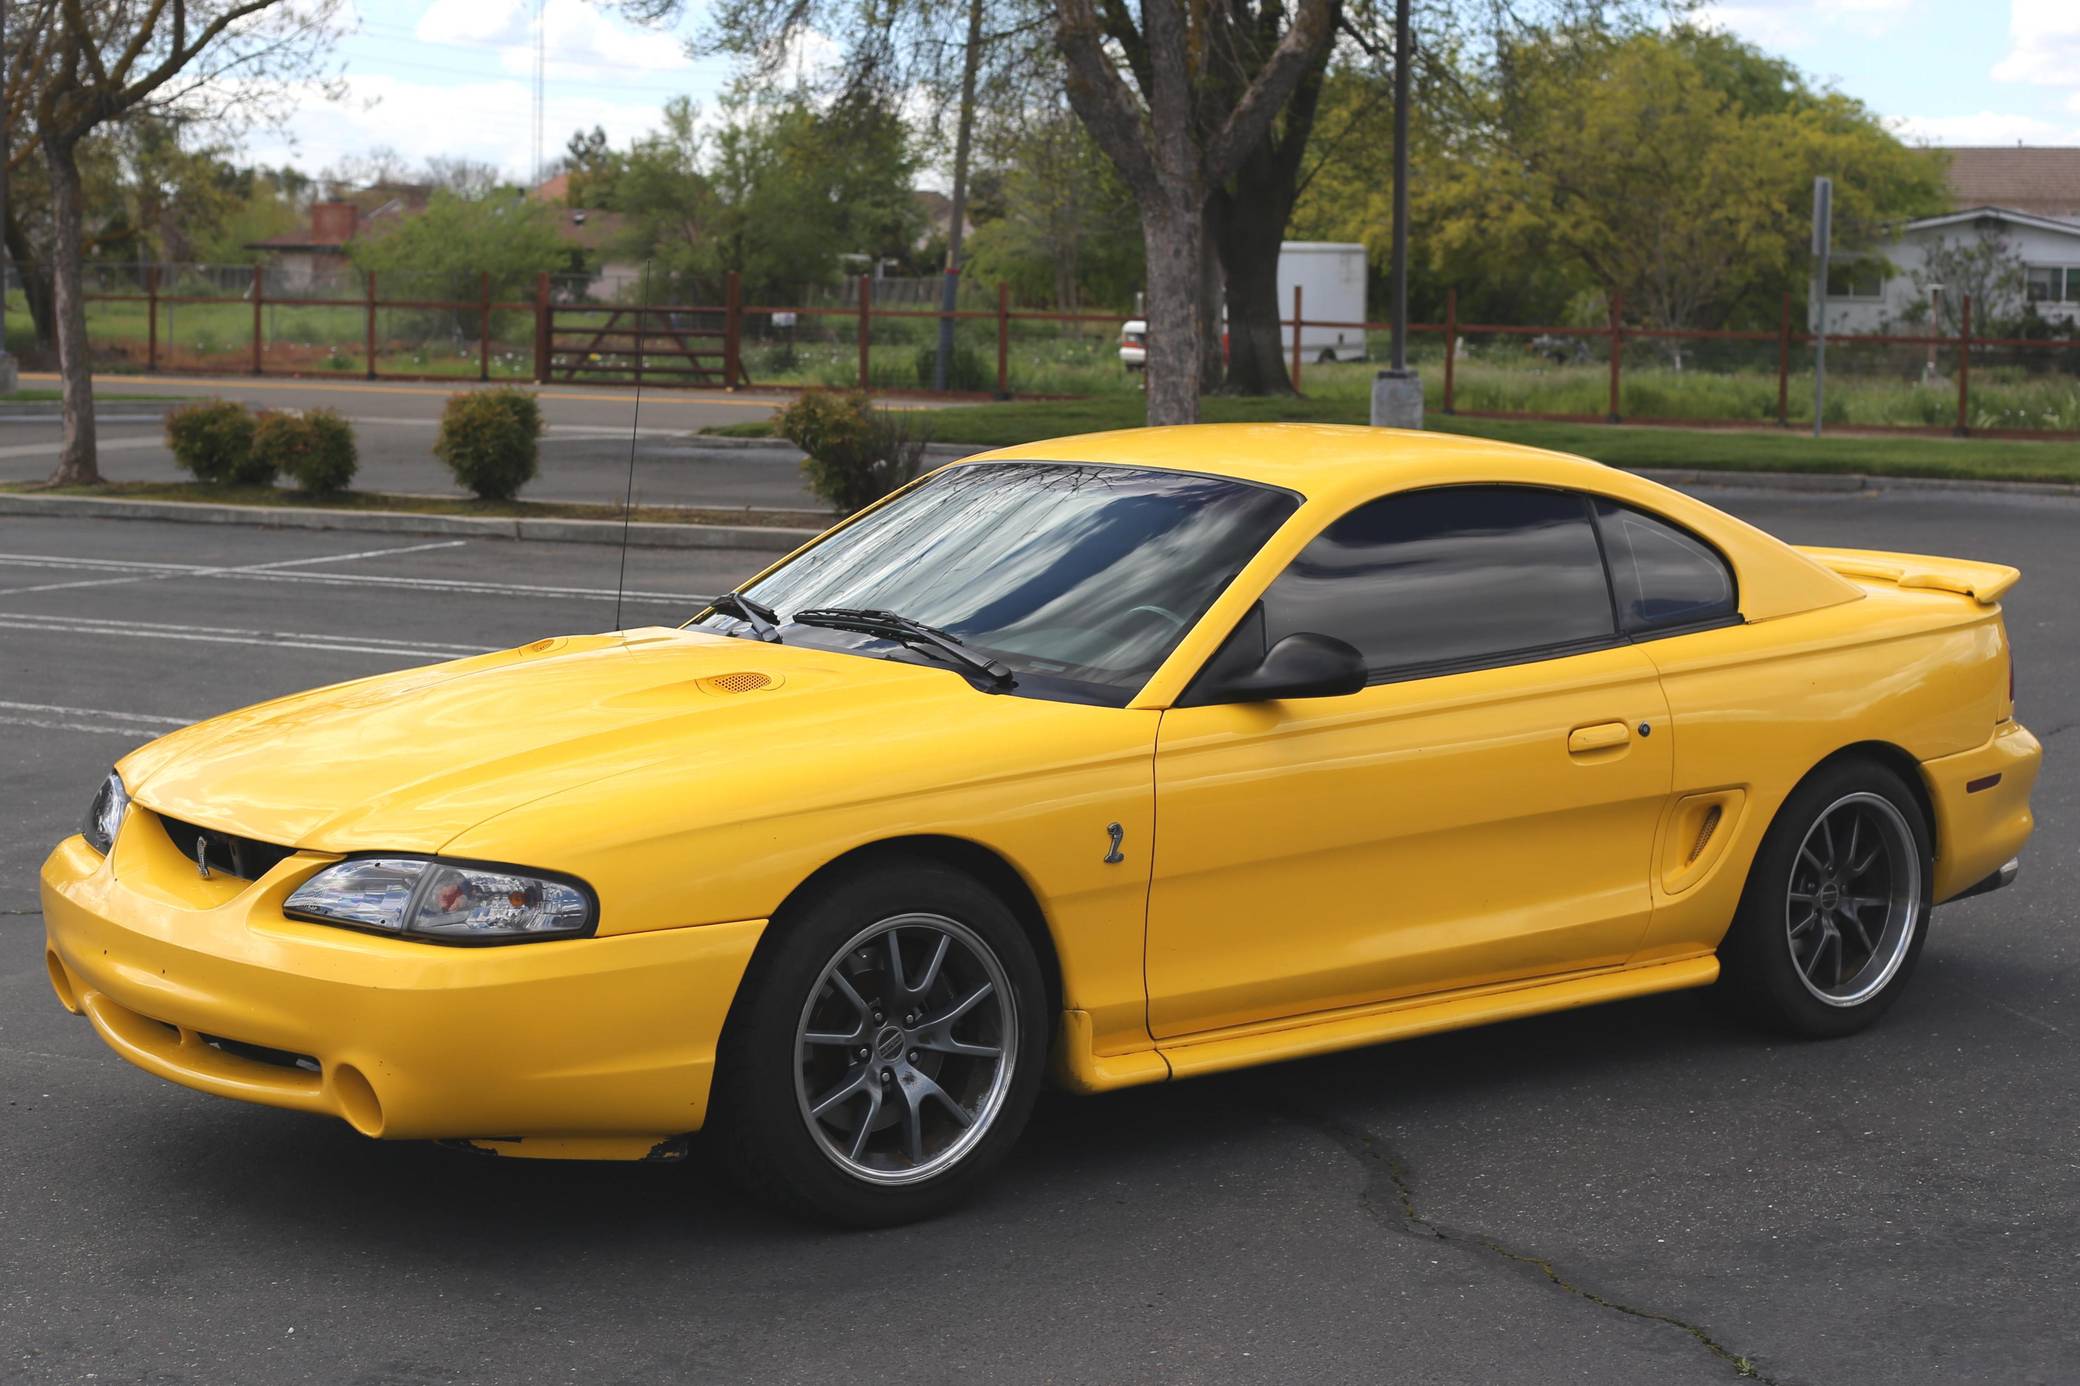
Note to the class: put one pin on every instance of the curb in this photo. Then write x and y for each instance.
(937, 452)
(643, 534)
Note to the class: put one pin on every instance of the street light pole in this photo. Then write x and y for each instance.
(8, 377)
(1397, 392)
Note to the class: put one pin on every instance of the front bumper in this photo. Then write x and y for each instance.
(600, 1046)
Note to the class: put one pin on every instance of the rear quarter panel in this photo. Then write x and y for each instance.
(1755, 707)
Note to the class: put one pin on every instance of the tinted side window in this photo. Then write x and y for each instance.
(1460, 575)
(1664, 578)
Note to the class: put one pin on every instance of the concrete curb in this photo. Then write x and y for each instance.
(935, 452)
(644, 534)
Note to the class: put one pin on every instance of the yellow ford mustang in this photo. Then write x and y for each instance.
(1123, 758)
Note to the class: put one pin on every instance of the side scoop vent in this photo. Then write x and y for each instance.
(1710, 825)
(747, 681)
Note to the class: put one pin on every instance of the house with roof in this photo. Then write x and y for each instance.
(2016, 204)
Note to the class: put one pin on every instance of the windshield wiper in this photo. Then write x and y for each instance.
(916, 634)
(764, 622)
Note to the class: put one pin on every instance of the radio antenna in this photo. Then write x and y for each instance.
(635, 418)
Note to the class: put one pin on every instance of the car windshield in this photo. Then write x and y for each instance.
(1081, 578)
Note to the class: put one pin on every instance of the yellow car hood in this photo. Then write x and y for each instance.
(407, 761)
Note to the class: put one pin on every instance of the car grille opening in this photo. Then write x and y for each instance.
(261, 1054)
(239, 857)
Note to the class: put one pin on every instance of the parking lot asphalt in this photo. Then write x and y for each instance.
(584, 451)
(1642, 1192)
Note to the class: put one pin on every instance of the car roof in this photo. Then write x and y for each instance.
(1320, 461)
(1335, 467)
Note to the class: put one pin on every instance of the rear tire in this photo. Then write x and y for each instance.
(885, 1051)
(1836, 907)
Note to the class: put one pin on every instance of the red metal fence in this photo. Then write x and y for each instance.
(703, 345)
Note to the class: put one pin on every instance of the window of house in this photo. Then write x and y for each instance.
(1664, 578)
(2053, 283)
(1856, 279)
(1456, 577)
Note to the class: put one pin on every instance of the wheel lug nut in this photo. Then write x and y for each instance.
(888, 1075)
(863, 1053)
(913, 1056)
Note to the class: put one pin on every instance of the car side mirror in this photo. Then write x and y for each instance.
(1303, 665)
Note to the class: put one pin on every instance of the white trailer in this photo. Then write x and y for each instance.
(1331, 276)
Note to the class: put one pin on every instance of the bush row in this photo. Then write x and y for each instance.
(489, 439)
(223, 442)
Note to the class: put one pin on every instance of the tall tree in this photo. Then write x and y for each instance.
(109, 59)
(1171, 154)
(1672, 167)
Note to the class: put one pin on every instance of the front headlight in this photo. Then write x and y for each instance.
(105, 814)
(449, 902)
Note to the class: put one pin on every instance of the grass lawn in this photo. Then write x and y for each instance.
(204, 492)
(51, 396)
(1762, 450)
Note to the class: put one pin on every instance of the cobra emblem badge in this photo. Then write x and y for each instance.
(1117, 834)
(201, 857)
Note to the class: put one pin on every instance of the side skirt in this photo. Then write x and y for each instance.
(1217, 1051)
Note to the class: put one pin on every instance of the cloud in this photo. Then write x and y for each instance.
(1988, 127)
(581, 39)
(2045, 44)
(1780, 25)
(491, 120)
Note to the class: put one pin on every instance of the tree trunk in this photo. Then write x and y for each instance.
(36, 282)
(1212, 301)
(1252, 228)
(77, 463)
(1174, 229)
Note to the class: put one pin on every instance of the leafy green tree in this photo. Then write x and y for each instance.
(1672, 167)
(779, 192)
(444, 251)
(1052, 218)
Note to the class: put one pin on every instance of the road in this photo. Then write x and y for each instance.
(585, 444)
(1638, 1193)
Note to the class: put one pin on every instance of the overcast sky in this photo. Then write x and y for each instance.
(456, 76)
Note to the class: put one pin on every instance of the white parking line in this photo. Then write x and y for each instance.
(103, 713)
(160, 572)
(418, 651)
(50, 449)
(277, 574)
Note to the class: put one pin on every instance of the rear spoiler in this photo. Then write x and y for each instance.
(1984, 582)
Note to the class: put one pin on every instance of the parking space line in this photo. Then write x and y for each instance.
(466, 585)
(104, 445)
(163, 572)
(224, 635)
(96, 712)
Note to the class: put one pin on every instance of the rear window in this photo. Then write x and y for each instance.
(1664, 578)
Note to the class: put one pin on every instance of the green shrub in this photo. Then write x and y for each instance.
(213, 440)
(490, 440)
(964, 369)
(314, 449)
(856, 453)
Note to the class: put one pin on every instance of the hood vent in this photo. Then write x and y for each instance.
(748, 681)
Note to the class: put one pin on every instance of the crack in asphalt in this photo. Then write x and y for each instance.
(1384, 1168)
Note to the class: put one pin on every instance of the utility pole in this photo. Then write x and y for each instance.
(1823, 236)
(949, 297)
(8, 376)
(1397, 392)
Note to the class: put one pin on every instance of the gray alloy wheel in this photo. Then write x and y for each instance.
(905, 1049)
(1855, 899)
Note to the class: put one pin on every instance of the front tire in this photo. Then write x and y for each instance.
(885, 1054)
(1836, 906)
